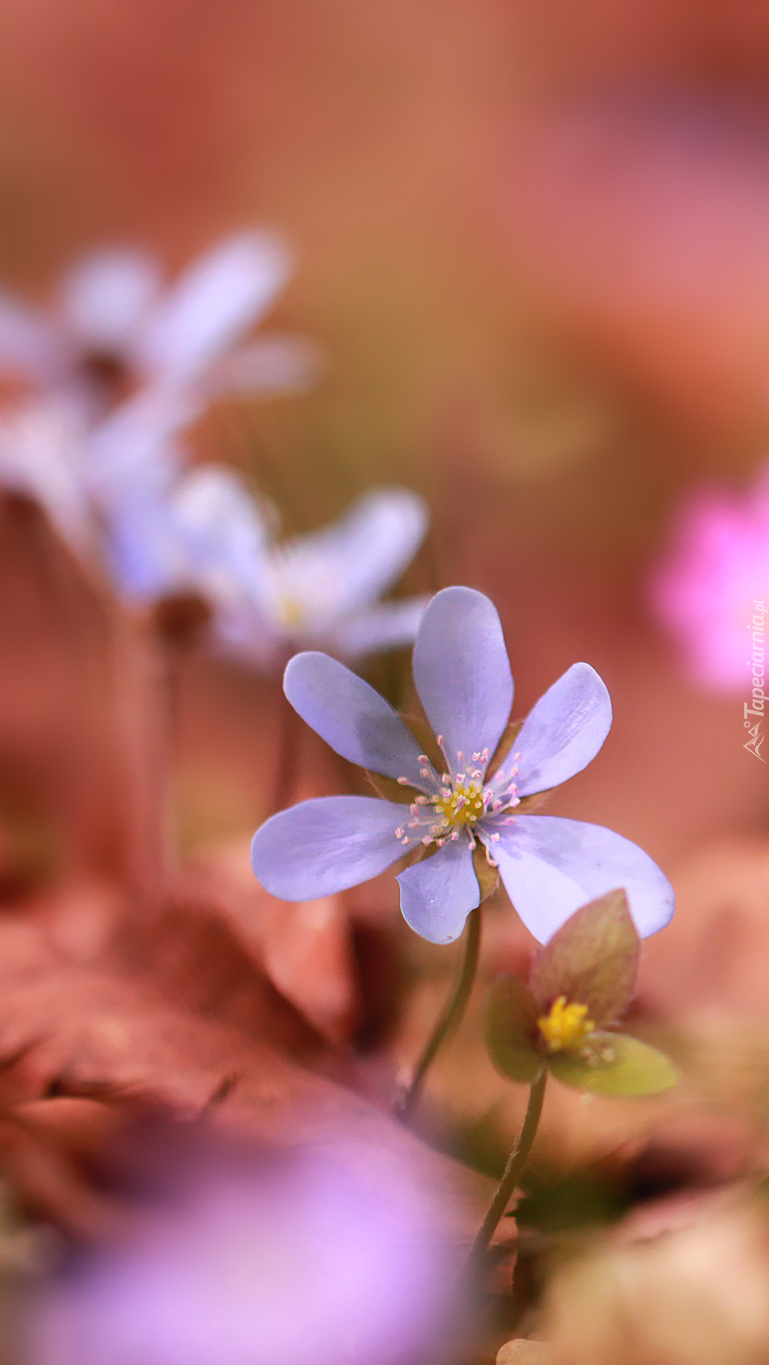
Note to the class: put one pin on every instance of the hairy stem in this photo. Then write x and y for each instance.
(514, 1169)
(452, 1014)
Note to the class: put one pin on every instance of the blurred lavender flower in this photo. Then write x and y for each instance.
(319, 1259)
(120, 368)
(207, 534)
(114, 329)
(549, 866)
(705, 589)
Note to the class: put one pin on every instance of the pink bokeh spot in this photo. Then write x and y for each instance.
(703, 591)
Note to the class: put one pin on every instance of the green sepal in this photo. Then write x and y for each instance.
(511, 1029)
(614, 1064)
(592, 960)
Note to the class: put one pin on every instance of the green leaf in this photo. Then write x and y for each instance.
(592, 960)
(511, 1029)
(620, 1065)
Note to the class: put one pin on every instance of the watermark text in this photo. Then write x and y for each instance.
(753, 710)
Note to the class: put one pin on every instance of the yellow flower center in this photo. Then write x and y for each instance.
(566, 1026)
(463, 806)
(291, 611)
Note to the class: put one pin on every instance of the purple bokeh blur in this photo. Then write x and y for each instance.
(310, 1258)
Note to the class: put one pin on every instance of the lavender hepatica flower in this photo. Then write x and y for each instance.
(118, 367)
(114, 328)
(206, 533)
(476, 799)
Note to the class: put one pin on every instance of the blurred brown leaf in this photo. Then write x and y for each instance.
(694, 1296)
(712, 957)
(171, 1014)
(305, 949)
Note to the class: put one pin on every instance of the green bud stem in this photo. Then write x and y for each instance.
(452, 1015)
(514, 1169)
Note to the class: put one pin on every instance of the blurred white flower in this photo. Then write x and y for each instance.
(205, 533)
(113, 329)
(119, 367)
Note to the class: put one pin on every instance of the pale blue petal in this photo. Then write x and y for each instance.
(124, 451)
(462, 673)
(274, 364)
(220, 525)
(438, 893)
(384, 626)
(29, 343)
(105, 294)
(564, 731)
(326, 845)
(214, 303)
(146, 558)
(349, 564)
(552, 866)
(354, 719)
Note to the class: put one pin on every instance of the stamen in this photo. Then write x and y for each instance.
(460, 801)
(566, 1026)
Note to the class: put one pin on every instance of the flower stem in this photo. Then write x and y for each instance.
(452, 1014)
(516, 1163)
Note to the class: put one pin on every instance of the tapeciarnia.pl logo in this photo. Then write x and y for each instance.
(755, 707)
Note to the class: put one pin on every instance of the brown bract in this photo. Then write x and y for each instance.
(582, 979)
(592, 959)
